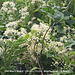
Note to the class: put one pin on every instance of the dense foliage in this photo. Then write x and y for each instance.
(37, 35)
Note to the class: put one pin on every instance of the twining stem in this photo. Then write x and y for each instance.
(45, 36)
(38, 60)
(67, 5)
(39, 67)
(42, 47)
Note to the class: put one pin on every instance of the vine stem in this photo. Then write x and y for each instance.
(38, 61)
(40, 67)
(67, 6)
(43, 47)
(45, 36)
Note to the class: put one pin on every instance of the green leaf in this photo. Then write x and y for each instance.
(33, 31)
(39, 19)
(21, 1)
(26, 37)
(10, 59)
(49, 2)
(50, 21)
(2, 69)
(36, 10)
(53, 39)
(58, 16)
(58, 58)
(70, 22)
(19, 51)
(56, 73)
(67, 59)
(10, 68)
(34, 69)
(7, 56)
(49, 55)
(72, 53)
(50, 15)
(59, 28)
(2, 43)
(66, 17)
(45, 9)
(72, 62)
(25, 61)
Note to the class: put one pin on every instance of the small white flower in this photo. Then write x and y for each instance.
(5, 4)
(23, 17)
(14, 8)
(30, 22)
(9, 11)
(70, 48)
(33, 18)
(35, 27)
(4, 9)
(12, 4)
(1, 51)
(27, 13)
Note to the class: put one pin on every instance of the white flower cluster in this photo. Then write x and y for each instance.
(54, 45)
(12, 24)
(11, 29)
(5, 4)
(68, 29)
(35, 36)
(44, 4)
(33, 18)
(63, 39)
(30, 22)
(10, 17)
(41, 29)
(10, 32)
(24, 12)
(22, 33)
(34, 41)
(8, 7)
(5, 40)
